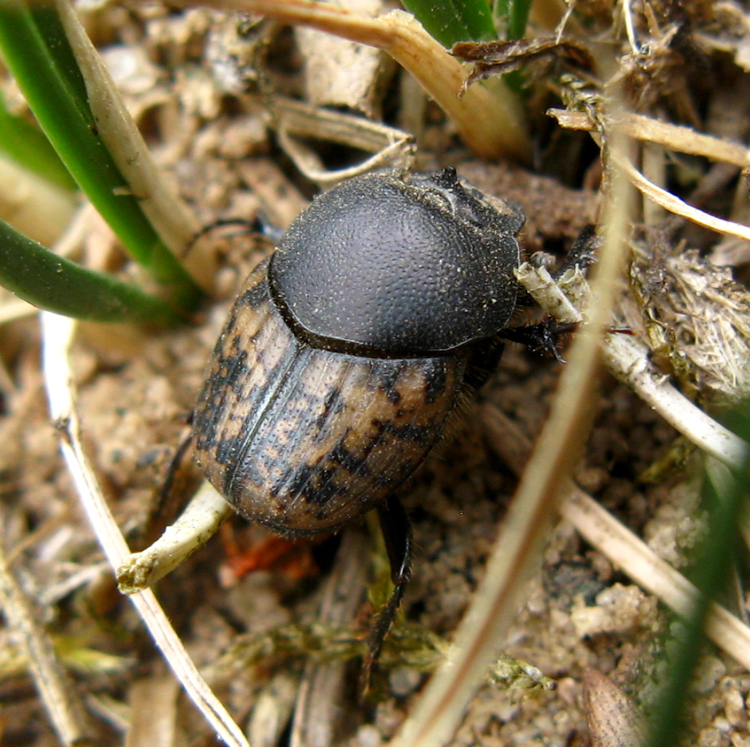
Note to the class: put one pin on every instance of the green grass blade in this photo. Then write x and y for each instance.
(37, 52)
(711, 577)
(40, 277)
(512, 17)
(452, 21)
(22, 142)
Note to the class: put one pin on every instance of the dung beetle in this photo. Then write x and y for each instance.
(347, 353)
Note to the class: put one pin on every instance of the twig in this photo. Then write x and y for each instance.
(674, 137)
(201, 519)
(58, 334)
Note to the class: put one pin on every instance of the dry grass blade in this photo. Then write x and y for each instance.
(679, 207)
(652, 573)
(61, 700)
(58, 334)
(168, 214)
(517, 550)
(675, 137)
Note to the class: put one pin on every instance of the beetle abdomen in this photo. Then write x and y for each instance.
(304, 439)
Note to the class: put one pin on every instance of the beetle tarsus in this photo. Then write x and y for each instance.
(394, 524)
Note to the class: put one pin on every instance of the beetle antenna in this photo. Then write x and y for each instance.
(394, 524)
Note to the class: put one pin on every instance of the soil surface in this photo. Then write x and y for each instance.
(200, 106)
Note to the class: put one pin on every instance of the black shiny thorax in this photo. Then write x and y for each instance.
(400, 265)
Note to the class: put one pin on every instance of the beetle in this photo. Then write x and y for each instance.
(349, 351)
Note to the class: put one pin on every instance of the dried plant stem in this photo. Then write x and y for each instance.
(391, 147)
(671, 136)
(679, 207)
(65, 709)
(674, 137)
(201, 519)
(58, 334)
(628, 360)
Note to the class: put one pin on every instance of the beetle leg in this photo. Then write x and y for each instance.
(541, 337)
(396, 529)
(394, 524)
(582, 254)
(170, 500)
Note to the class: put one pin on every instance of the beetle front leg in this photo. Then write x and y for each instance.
(582, 254)
(542, 337)
(394, 524)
